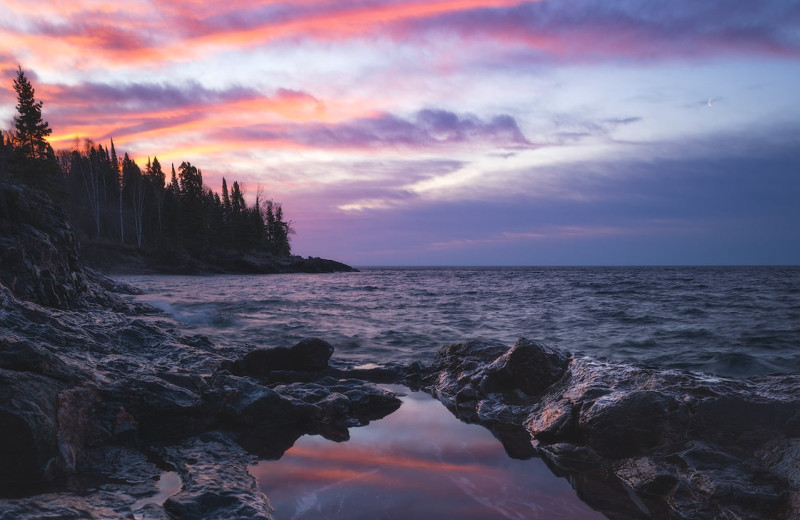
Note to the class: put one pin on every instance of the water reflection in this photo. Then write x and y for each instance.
(420, 462)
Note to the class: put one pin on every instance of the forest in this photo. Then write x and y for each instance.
(114, 200)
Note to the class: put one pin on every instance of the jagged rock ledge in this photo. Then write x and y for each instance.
(635, 442)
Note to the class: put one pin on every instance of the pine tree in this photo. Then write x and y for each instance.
(226, 200)
(157, 178)
(120, 187)
(30, 130)
(192, 222)
(34, 159)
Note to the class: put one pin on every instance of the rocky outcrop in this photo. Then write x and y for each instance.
(636, 442)
(38, 251)
(39, 255)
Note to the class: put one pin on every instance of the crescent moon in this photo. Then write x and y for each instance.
(709, 102)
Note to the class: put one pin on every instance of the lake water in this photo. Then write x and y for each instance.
(420, 462)
(735, 321)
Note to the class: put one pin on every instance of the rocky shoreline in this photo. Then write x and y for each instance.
(113, 258)
(100, 397)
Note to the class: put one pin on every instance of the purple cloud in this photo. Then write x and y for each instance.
(428, 128)
(135, 97)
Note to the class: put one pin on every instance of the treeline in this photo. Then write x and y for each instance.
(109, 199)
(113, 199)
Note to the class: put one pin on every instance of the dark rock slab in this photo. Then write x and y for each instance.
(309, 355)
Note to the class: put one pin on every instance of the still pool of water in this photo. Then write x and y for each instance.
(419, 462)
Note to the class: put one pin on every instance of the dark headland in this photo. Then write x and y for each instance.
(98, 398)
(113, 258)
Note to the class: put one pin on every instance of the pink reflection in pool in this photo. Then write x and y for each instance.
(420, 462)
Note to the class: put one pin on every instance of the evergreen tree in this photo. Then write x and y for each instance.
(30, 130)
(135, 182)
(192, 223)
(157, 179)
(120, 181)
(281, 238)
(226, 200)
(34, 159)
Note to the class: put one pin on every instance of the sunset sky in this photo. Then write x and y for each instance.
(450, 132)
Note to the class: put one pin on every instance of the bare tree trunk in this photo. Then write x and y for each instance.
(121, 187)
(138, 208)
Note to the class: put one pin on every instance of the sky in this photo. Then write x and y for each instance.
(449, 132)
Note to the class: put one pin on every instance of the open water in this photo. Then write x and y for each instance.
(733, 321)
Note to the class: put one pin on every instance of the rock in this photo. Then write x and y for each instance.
(527, 366)
(21, 355)
(246, 403)
(630, 423)
(29, 448)
(309, 355)
(665, 444)
(38, 251)
(216, 482)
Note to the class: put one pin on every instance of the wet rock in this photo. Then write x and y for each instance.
(666, 444)
(29, 434)
(309, 355)
(20, 355)
(626, 424)
(246, 403)
(101, 504)
(38, 251)
(215, 481)
(527, 366)
(156, 407)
